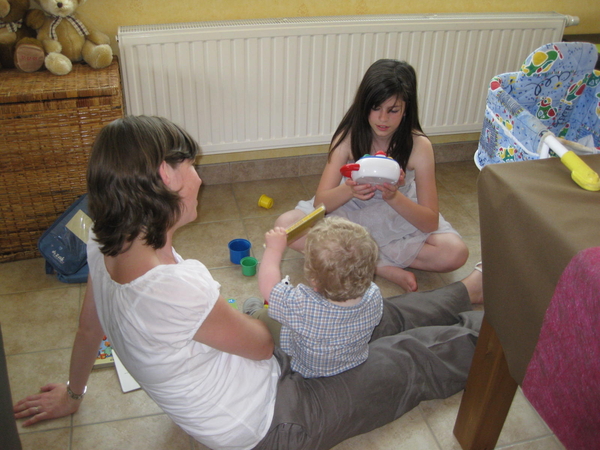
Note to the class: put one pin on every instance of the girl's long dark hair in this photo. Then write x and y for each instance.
(385, 78)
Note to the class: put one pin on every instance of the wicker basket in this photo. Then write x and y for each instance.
(47, 127)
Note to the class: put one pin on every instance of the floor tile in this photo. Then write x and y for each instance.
(409, 432)
(216, 203)
(471, 205)
(285, 193)
(458, 216)
(26, 275)
(29, 371)
(458, 177)
(440, 415)
(39, 320)
(234, 285)
(207, 242)
(105, 401)
(310, 183)
(146, 433)
(522, 423)
(546, 443)
(47, 440)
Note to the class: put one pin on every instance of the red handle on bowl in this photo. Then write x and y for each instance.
(348, 169)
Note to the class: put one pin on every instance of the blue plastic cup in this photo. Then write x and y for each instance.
(238, 249)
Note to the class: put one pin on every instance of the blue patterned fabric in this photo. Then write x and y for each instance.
(557, 91)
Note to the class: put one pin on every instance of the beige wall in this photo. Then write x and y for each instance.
(108, 15)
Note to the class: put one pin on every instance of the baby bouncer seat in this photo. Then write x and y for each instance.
(551, 107)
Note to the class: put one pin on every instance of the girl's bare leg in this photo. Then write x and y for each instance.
(286, 220)
(403, 278)
(443, 252)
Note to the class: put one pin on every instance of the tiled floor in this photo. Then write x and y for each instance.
(39, 320)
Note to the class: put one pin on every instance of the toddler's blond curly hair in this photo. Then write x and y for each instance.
(340, 258)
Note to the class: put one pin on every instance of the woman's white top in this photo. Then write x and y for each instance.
(222, 400)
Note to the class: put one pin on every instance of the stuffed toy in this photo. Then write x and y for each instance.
(18, 45)
(65, 37)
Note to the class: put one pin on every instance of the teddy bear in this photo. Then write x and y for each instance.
(66, 39)
(18, 46)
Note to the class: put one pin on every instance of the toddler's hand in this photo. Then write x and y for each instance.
(276, 239)
(361, 191)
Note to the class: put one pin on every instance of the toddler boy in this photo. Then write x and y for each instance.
(325, 327)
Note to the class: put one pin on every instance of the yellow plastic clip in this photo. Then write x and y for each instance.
(581, 173)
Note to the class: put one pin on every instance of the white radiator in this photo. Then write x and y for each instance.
(259, 84)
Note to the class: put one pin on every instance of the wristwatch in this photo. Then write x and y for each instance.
(73, 395)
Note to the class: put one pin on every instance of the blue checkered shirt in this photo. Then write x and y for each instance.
(324, 338)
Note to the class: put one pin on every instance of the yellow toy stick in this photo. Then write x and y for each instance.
(297, 230)
(581, 173)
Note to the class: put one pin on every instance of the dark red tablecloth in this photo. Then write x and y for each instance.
(562, 380)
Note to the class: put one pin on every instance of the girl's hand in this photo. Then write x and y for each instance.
(361, 191)
(388, 190)
(401, 179)
(276, 239)
(51, 403)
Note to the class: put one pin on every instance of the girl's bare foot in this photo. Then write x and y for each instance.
(474, 284)
(403, 278)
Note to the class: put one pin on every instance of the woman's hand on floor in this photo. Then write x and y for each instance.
(51, 403)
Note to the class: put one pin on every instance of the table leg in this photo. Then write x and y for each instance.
(488, 394)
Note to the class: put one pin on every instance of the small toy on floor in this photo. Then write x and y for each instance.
(265, 202)
(249, 264)
(252, 304)
(233, 303)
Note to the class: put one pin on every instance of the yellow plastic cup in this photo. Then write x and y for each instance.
(265, 202)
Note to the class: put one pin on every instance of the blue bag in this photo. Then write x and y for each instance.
(64, 244)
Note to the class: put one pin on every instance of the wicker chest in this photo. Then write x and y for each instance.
(48, 124)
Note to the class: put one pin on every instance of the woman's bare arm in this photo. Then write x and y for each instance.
(53, 402)
(227, 329)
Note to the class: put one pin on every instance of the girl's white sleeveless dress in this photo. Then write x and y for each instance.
(399, 241)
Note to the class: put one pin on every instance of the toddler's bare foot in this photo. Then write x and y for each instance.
(403, 278)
